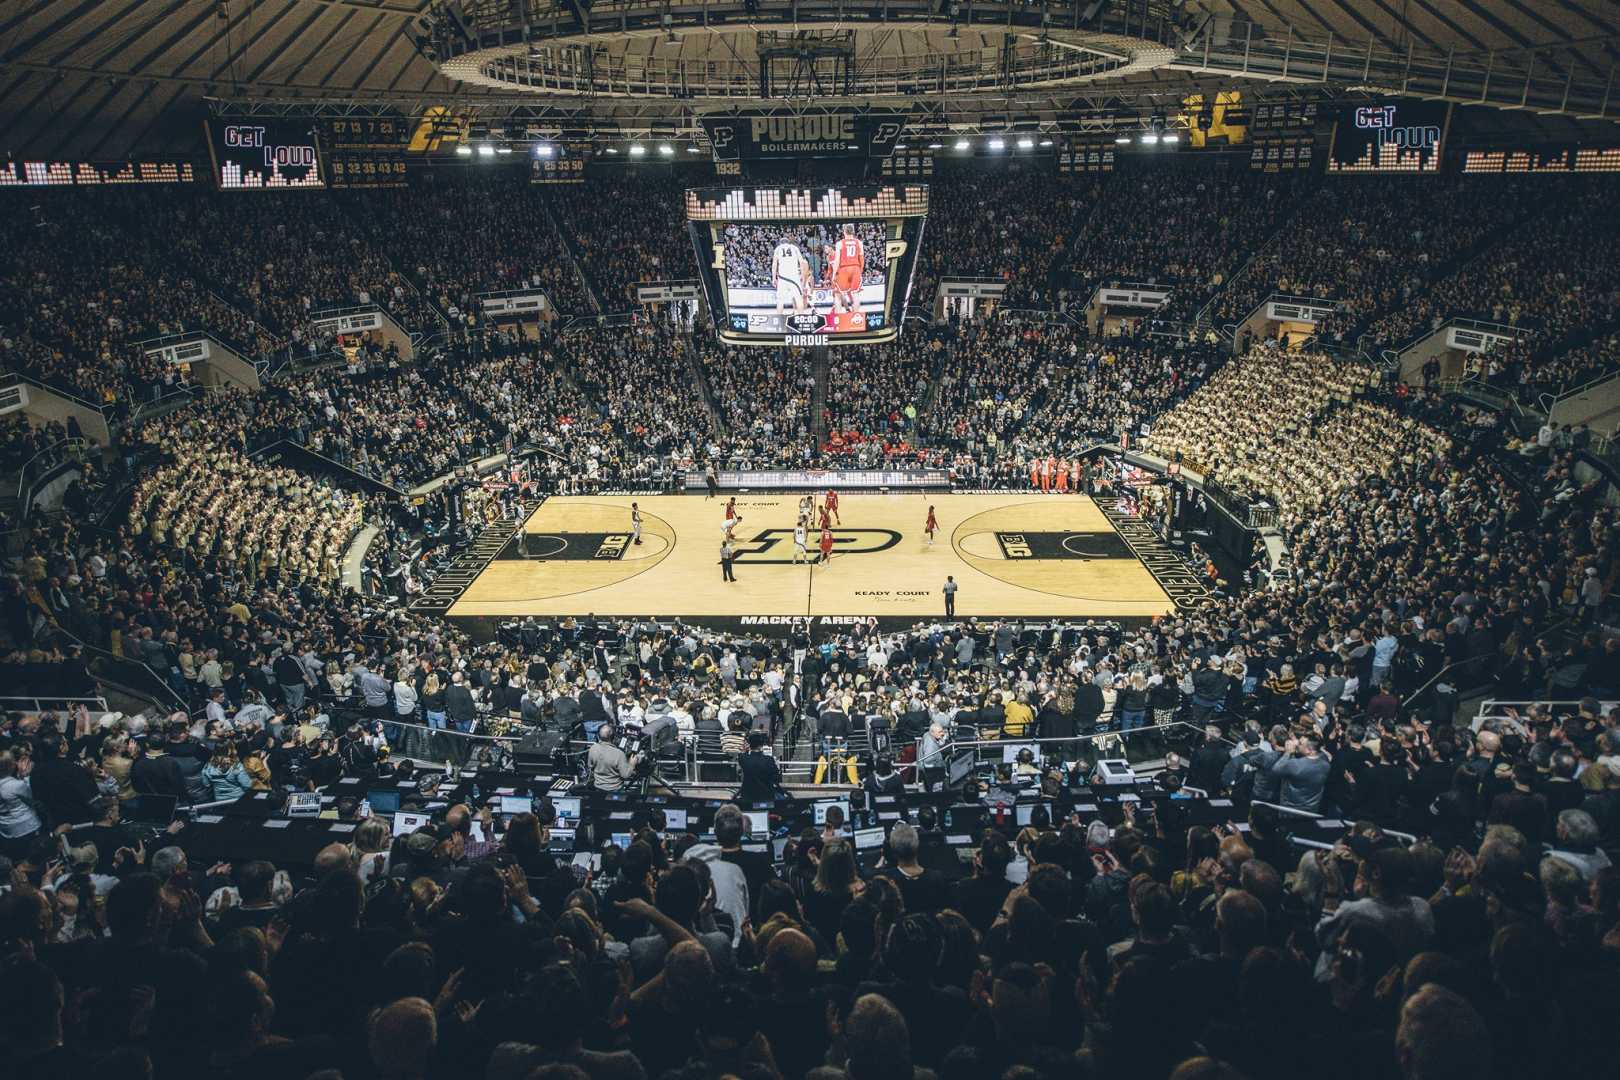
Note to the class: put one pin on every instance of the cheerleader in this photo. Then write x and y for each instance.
(931, 526)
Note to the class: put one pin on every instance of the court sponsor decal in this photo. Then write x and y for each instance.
(1166, 565)
(576, 546)
(1062, 545)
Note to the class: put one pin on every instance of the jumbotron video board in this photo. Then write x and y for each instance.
(807, 266)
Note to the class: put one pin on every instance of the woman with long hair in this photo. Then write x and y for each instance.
(224, 774)
(838, 881)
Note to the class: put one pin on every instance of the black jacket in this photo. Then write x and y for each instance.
(761, 778)
(458, 704)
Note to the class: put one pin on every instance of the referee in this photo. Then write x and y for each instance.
(950, 596)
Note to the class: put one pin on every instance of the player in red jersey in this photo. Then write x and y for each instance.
(832, 505)
(826, 543)
(931, 526)
(849, 263)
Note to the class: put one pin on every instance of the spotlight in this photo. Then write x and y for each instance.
(464, 151)
(612, 150)
(486, 150)
(1046, 142)
(936, 146)
(694, 149)
(637, 150)
(1026, 144)
(666, 150)
(1171, 137)
(1122, 139)
(1148, 137)
(543, 150)
(503, 149)
(963, 144)
(998, 143)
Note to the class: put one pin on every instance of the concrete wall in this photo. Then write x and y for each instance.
(1598, 407)
(46, 405)
(224, 368)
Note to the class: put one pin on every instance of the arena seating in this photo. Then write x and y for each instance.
(1375, 244)
(1551, 274)
(1190, 230)
(1328, 862)
(630, 227)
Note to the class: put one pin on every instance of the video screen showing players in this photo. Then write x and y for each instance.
(806, 277)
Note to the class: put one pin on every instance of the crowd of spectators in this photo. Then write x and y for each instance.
(1230, 429)
(401, 424)
(290, 256)
(875, 394)
(1189, 229)
(78, 290)
(260, 522)
(528, 393)
(1374, 244)
(630, 227)
(460, 233)
(763, 398)
(1550, 274)
(643, 385)
(1011, 224)
(1064, 949)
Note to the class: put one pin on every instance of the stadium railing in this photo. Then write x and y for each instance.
(1496, 709)
(697, 762)
(49, 703)
(42, 464)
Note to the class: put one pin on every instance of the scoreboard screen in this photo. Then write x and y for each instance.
(814, 266)
(258, 154)
(1393, 136)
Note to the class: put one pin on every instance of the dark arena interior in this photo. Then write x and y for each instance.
(798, 540)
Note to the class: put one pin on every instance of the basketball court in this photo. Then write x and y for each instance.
(1012, 554)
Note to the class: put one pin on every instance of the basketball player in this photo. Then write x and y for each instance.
(807, 508)
(791, 270)
(731, 508)
(849, 263)
(832, 505)
(635, 524)
(826, 540)
(800, 537)
(931, 526)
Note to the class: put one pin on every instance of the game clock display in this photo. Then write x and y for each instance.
(807, 267)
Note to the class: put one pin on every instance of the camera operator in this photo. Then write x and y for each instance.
(609, 767)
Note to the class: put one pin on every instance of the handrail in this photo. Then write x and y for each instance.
(24, 477)
(6, 701)
(73, 396)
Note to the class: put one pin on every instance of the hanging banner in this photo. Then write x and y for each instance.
(762, 136)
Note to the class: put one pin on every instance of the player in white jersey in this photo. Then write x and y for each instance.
(800, 536)
(792, 271)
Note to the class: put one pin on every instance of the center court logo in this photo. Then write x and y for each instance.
(776, 545)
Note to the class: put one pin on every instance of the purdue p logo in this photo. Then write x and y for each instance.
(887, 132)
(776, 545)
(721, 135)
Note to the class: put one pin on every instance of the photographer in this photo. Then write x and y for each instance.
(608, 767)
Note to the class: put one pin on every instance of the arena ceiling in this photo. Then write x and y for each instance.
(106, 79)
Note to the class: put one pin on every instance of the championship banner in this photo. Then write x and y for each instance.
(765, 137)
